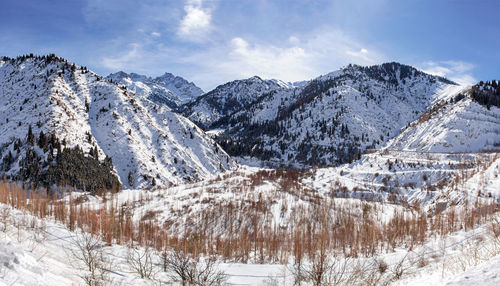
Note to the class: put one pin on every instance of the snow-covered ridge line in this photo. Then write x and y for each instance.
(148, 143)
(463, 126)
(167, 89)
(333, 118)
(228, 98)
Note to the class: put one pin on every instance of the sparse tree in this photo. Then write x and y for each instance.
(87, 249)
(30, 138)
(140, 261)
(130, 179)
(187, 270)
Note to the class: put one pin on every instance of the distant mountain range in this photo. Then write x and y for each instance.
(165, 130)
(326, 121)
(167, 89)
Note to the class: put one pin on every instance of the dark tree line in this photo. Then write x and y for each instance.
(74, 168)
(487, 93)
(45, 161)
(388, 72)
(246, 137)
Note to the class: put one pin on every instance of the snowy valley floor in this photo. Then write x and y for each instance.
(37, 251)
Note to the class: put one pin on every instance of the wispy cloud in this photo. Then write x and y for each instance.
(458, 71)
(196, 24)
(137, 57)
(122, 61)
(299, 57)
(362, 55)
(160, 39)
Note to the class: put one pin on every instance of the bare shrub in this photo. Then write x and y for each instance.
(4, 216)
(187, 270)
(87, 249)
(140, 261)
(298, 273)
(494, 232)
(370, 273)
(401, 268)
(323, 269)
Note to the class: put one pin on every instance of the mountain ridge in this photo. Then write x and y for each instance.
(167, 88)
(149, 144)
(334, 117)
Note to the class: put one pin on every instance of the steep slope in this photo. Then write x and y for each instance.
(461, 126)
(148, 143)
(333, 118)
(166, 89)
(451, 153)
(228, 98)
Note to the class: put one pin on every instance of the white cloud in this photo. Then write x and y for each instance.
(239, 45)
(156, 34)
(137, 57)
(314, 54)
(293, 40)
(196, 24)
(362, 55)
(121, 62)
(457, 71)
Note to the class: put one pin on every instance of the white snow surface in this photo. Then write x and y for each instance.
(465, 126)
(141, 137)
(485, 274)
(35, 252)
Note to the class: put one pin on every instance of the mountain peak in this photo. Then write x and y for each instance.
(167, 89)
(119, 74)
(392, 72)
(328, 120)
(255, 78)
(167, 75)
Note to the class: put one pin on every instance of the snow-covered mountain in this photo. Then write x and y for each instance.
(461, 126)
(166, 89)
(419, 123)
(228, 98)
(147, 142)
(333, 118)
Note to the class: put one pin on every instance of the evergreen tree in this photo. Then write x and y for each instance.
(130, 179)
(30, 138)
(42, 140)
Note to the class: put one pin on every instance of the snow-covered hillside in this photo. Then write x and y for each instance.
(166, 89)
(424, 198)
(333, 118)
(228, 98)
(147, 142)
(463, 126)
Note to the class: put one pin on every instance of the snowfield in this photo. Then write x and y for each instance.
(462, 127)
(37, 251)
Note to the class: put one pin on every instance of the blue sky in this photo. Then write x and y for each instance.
(214, 41)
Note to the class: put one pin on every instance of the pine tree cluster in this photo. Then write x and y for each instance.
(487, 93)
(45, 161)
